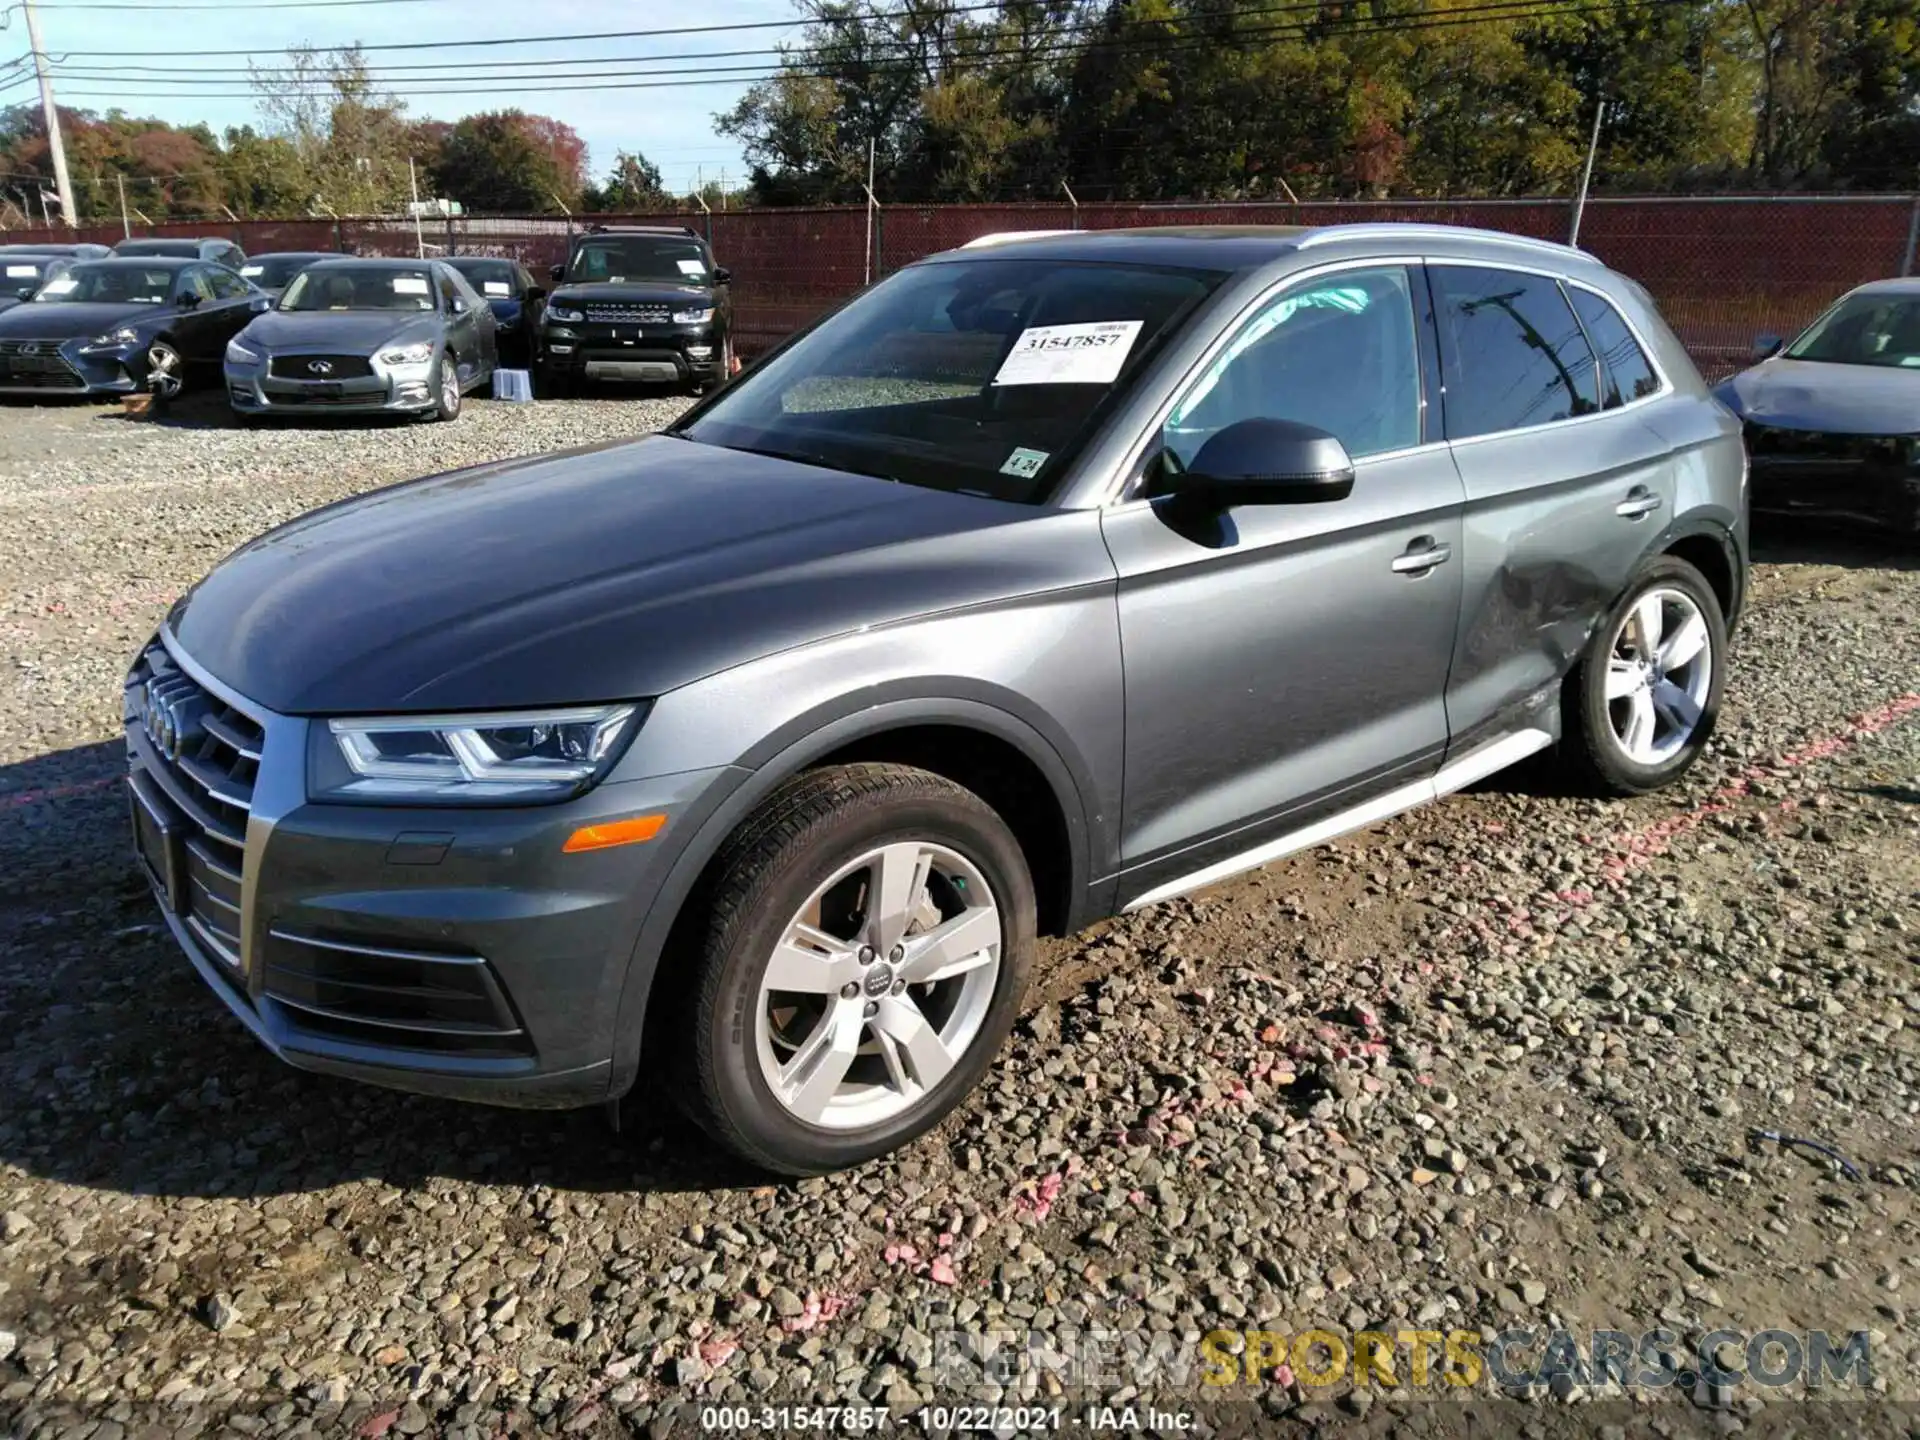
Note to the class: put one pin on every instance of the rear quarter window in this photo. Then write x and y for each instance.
(1627, 373)
(1515, 356)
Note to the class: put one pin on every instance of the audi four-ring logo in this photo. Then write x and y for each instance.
(320, 367)
(170, 718)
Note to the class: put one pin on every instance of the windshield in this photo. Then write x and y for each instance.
(24, 274)
(382, 287)
(609, 258)
(270, 272)
(495, 279)
(109, 284)
(1871, 328)
(983, 376)
(179, 248)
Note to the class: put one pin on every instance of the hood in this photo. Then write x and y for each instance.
(1815, 395)
(7, 302)
(66, 320)
(613, 573)
(348, 331)
(630, 292)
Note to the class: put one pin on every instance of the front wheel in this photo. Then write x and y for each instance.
(1642, 704)
(869, 936)
(166, 371)
(447, 397)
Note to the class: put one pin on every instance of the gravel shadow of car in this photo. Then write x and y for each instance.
(123, 1071)
(1780, 541)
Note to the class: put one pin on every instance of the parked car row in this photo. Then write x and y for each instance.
(309, 331)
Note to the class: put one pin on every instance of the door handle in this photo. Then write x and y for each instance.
(1640, 501)
(1420, 556)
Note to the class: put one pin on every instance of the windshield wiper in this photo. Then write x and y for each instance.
(819, 458)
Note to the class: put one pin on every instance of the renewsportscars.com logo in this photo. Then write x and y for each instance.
(1228, 1364)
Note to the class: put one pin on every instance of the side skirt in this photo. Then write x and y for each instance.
(1494, 756)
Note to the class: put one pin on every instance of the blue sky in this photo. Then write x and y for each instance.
(673, 127)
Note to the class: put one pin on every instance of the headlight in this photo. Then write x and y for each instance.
(409, 354)
(470, 759)
(693, 317)
(112, 340)
(238, 354)
(564, 315)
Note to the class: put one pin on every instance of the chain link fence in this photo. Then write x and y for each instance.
(1722, 268)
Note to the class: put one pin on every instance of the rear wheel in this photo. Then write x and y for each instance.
(868, 941)
(1642, 704)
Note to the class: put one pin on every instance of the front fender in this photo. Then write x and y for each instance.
(785, 752)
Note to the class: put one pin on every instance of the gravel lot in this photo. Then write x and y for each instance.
(1495, 1064)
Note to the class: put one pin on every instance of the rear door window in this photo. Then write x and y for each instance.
(1514, 353)
(1625, 369)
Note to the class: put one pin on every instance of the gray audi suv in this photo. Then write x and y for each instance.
(1046, 579)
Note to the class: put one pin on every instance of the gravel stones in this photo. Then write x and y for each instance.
(1486, 1065)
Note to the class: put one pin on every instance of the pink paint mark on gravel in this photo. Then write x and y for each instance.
(57, 792)
(817, 1310)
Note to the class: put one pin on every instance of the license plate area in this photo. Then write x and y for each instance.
(160, 844)
(327, 389)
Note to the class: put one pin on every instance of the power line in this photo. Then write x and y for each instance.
(1056, 50)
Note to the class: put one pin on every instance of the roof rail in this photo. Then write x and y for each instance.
(1418, 230)
(641, 230)
(1007, 237)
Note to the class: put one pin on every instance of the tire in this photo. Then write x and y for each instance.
(1626, 730)
(555, 384)
(726, 369)
(166, 370)
(446, 388)
(739, 1038)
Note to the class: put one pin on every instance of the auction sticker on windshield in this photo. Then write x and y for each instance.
(21, 272)
(498, 287)
(1069, 354)
(691, 267)
(409, 285)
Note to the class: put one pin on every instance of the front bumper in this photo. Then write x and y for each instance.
(49, 367)
(454, 952)
(1869, 481)
(648, 354)
(390, 389)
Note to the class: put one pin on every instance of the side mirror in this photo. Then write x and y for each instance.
(1765, 347)
(459, 306)
(1266, 462)
(722, 275)
(260, 304)
(535, 293)
(558, 272)
(190, 300)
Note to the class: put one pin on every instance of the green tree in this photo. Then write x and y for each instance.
(510, 161)
(633, 184)
(348, 137)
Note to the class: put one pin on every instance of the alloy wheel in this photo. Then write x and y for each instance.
(165, 374)
(878, 986)
(449, 388)
(1659, 675)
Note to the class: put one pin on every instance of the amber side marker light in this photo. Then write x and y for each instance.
(614, 832)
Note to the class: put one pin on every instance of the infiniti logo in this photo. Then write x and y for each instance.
(30, 348)
(320, 367)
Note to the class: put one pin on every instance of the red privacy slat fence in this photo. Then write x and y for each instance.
(1722, 268)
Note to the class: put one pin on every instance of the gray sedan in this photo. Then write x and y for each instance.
(366, 337)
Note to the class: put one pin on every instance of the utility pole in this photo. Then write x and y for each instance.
(56, 144)
(413, 184)
(120, 184)
(1586, 176)
(866, 267)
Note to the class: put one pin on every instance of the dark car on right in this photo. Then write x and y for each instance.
(1832, 420)
(638, 303)
(515, 298)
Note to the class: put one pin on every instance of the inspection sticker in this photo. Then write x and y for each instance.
(1069, 354)
(1024, 462)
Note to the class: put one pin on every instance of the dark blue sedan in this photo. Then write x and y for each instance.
(515, 298)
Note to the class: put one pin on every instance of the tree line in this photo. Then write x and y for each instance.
(1269, 99)
(975, 100)
(331, 141)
